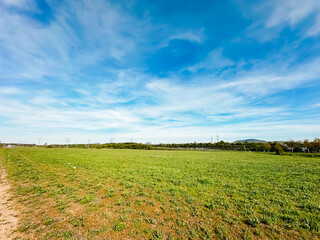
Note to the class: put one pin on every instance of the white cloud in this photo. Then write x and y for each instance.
(24, 5)
(46, 117)
(263, 81)
(10, 90)
(169, 109)
(294, 11)
(177, 111)
(17, 3)
(93, 32)
(107, 27)
(272, 130)
(192, 36)
(316, 105)
(315, 29)
(214, 60)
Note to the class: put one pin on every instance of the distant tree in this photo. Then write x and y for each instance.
(240, 144)
(307, 144)
(256, 147)
(227, 146)
(291, 145)
(278, 148)
(266, 147)
(244, 145)
(220, 145)
(316, 145)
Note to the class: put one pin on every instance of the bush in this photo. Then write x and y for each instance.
(278, 148)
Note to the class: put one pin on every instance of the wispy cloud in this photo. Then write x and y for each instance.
(63, 48)
(214, 60)
(85, 72)
(292, 11)
(24, 4)
(10, 91)
(301, 16)
(193, 36)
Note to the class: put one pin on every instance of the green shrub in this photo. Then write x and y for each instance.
(278, 148)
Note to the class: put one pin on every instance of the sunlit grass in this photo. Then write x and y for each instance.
(89, 193)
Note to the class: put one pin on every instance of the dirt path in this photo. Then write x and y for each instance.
(8, 216)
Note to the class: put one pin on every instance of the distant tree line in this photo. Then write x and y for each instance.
(127, 145)
(2, 145)
(278, 147)
(290, 146)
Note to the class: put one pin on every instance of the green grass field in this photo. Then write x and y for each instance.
(141, 194)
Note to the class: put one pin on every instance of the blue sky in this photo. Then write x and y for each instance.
(159, 71)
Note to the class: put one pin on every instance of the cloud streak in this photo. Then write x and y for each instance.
(86, 72)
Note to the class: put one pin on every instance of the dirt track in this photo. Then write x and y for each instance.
(8, 216)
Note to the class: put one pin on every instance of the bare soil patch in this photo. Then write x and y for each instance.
(8, 214)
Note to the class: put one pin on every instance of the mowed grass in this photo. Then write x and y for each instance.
(141, 194)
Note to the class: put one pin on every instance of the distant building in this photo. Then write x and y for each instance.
(9, 146)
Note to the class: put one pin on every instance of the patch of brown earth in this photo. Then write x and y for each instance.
(8, 215)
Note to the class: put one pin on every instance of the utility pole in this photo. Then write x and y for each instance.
(67, 141)
(217, 138)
